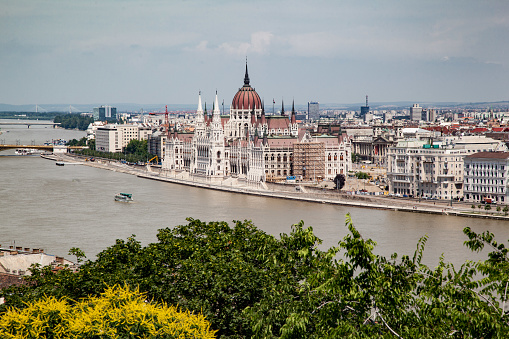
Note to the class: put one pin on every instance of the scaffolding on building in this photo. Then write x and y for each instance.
(309, 160)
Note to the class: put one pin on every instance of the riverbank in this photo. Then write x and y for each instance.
(281, 191)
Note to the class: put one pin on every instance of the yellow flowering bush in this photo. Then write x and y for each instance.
(116, 313)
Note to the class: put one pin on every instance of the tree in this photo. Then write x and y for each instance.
(505, 209)
(250, 284)
(339, 181)
(362, 175)
(487, 207)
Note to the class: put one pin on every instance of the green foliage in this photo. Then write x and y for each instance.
(339, 181)
(29, 115)
(73, 121)
(135, 151)
(75, 142)
(250, 284)
(487, 207)
(362, 175)
(80, 255)
(116, 313)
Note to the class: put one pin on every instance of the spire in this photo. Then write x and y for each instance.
(246, 77)
(200, 109)
(216, 113)
(216, 110)
(282, 107)
(293, 118)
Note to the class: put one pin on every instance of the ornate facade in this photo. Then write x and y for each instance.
(247, 144)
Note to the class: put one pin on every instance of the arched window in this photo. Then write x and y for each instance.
(218, 154)
(329, 158)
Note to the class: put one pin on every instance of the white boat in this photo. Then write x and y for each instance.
(124, 197)
(27, 151)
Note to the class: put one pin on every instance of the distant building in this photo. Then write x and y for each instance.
(313, 110)
(105, 113)
(416, 113)
(365, 109)
(114, 138)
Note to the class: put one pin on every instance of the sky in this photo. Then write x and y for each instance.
(330, 51)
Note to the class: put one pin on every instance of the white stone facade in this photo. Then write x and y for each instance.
(416, 168)
(486, 177)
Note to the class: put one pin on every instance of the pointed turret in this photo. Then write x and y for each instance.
(216, 113)
(199, 110)
(282, 107)
(294, 117)
(246, 77)
(263, 121)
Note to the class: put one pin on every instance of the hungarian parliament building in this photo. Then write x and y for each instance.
(250, 145)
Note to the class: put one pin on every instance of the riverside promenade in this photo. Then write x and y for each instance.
(299, 192)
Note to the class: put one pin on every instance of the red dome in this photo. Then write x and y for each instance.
(246, 97)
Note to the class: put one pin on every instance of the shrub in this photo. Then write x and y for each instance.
(116, 313)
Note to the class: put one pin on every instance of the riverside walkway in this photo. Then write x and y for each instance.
(307, 194)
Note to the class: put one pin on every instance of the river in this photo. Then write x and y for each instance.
(56, 208)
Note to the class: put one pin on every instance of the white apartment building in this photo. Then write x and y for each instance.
(107, 139)
(114, 137)
(420, 168)
(486, 177)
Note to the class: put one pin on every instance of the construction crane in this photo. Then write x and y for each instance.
(153, 159)
(166, 120)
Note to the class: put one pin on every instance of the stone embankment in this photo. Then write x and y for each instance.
(285, 191)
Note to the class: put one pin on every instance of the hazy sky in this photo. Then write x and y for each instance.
(337, 51)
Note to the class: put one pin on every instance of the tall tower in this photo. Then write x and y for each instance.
(216, 137)
(365, 109)
(200, 119)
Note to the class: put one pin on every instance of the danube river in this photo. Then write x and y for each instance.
(56, 208)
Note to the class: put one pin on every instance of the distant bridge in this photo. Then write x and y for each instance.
(30, 123)
(41, 147)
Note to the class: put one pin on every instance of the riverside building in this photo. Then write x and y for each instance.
(433, 168)
(247, 144)
(486, 177)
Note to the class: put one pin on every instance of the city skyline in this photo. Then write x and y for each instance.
(165, 52)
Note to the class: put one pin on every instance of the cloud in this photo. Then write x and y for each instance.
(259, 43)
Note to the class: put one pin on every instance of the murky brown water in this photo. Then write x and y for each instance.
(56, 208)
